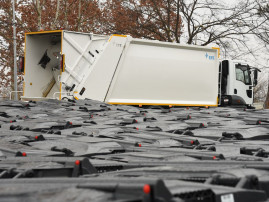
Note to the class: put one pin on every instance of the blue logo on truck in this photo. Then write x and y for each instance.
(210, 57)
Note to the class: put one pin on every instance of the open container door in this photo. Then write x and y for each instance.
(43, 62)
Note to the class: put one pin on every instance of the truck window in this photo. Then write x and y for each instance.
(239, 74)
(243, 74)
(247, 77)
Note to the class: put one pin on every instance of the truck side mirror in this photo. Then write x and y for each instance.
(255, 82)
(21, 64)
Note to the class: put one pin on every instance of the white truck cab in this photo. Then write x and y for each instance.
(237, 82)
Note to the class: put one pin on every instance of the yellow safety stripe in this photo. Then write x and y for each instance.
(186, 105)
(44, 32)
(23, 88)
(118, 35)
(218, 50)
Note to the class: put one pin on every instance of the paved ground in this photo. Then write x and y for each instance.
(91, 151)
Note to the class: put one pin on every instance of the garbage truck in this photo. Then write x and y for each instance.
(120, 69)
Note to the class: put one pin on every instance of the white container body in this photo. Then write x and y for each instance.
(120, 70)
(152, 72)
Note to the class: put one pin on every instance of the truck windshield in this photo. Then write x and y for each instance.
(243, 74)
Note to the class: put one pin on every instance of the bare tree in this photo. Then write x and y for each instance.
(38, 5)
(263, 33)
(79, 16)
(263, 12)
(56, 14)
(210, 21)
(6, 48)
(151, 19)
